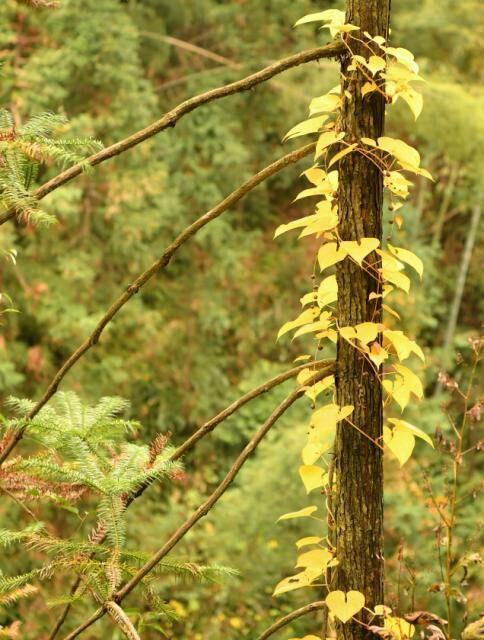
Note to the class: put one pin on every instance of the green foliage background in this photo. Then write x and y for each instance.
(204, 331)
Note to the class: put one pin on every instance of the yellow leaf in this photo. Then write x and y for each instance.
(389, 261)
(302, 579)
(359, 250)
(387, 289)
(400, 150)
(324, 420)
(329, 254)
(368, 87)
(406, 155)
(312, 477)
(315, 175)
(399, 75)
(325, 140)
(333, 180)
(330, 15)
(312, 125)
(324, 104)
(327, 291)
(321, 222)
(309, 637)
(411, 380)
(398, 390)
(295, 224)
(414, 100)
(315, 389)
(302, 358)
(330, 413)
(382, 610)
(397, 183)
(403, 56)
(377, 354)
(315, 560)
(344, 28)
(308, 315)
(409, 257)
(304, 542)
(403, 425)
(321, 190)
(391, 311)
(320, 325)
(400, 280)
(308, 298)
(417, 170)
(399, 628)
(401, 443)
(403, 345)
(304, 375)
(379, 40)
(345, 606)
(375, 64)
(312, 452)
(302, 513)
(365, 332)
(342, 154)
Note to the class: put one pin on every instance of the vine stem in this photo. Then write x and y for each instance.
(284, 621)
(206, 506)
(170, 118)
(147, 275)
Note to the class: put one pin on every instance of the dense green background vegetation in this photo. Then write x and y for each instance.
(204, 332)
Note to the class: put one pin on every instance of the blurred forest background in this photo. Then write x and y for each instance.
(204, 332)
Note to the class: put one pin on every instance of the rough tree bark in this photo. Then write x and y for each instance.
(358, 505)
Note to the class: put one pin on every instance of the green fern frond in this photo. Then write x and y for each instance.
(7, 537)
(45, 469)
(24, 149)
(9, 584)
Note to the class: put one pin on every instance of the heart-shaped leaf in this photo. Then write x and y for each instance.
(345, 605)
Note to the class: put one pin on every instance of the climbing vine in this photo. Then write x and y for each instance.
(393, 73)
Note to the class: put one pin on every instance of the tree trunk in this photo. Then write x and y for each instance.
(358, 461)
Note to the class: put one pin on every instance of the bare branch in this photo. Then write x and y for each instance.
(283, 622)
(171, 117)
(119, 617)
(204, 430)
(211, 424)
(204, 508)
(144, 277)
(192, 48)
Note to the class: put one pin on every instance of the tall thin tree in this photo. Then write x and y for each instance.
(358, 462)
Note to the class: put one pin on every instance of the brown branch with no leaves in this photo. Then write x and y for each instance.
(143, 278)
(200, 433)
(171, 117)
(204, 508)
(284, 621)
(41, 4)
